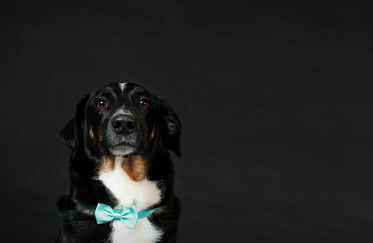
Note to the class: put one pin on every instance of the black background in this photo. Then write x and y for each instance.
(274, 98)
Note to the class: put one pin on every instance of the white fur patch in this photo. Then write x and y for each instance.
(122, 86)
(144, 232)
(142, 194)
(122, 112)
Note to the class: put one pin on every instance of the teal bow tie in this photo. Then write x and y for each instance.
(129, 215)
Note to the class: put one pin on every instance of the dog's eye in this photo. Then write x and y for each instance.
(101, 104)
(144, 103)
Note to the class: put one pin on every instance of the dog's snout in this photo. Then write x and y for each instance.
(124, 124)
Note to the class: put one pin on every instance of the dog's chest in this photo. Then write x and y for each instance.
(144, 232)
(142, 194)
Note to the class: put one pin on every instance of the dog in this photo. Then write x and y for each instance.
(121, 170)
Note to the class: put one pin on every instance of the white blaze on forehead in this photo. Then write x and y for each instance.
(122, 112)
(122, 86)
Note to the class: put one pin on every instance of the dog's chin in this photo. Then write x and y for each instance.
(122, 150)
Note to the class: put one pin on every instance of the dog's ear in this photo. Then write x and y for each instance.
(72, 131)
(68, 133)
(171, 128)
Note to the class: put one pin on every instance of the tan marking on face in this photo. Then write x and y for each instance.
(91, 132)
(107, 91)
(99, 137)
(153, 133)
(136, 167)
(106, 163)
(138, 89)
(151, 136)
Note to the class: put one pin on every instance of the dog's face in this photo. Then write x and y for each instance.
(122, 119)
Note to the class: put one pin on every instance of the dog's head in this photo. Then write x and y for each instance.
(122, 119)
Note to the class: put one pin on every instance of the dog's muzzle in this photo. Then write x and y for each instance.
(121, 134)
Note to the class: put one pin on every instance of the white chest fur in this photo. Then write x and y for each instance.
(144, 232)
(142, 194)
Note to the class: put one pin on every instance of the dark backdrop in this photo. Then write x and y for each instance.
(274, 99)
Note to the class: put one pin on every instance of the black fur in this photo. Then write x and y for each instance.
(85, 191)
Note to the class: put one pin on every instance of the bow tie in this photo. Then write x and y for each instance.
(129, 215)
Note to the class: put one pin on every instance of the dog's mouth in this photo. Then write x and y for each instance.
(122, 148)
(122, 144)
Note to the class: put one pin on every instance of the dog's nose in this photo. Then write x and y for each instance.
(124, 124)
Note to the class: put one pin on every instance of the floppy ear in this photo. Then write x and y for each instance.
(171, 128)
(73, 129)
(68, 133)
